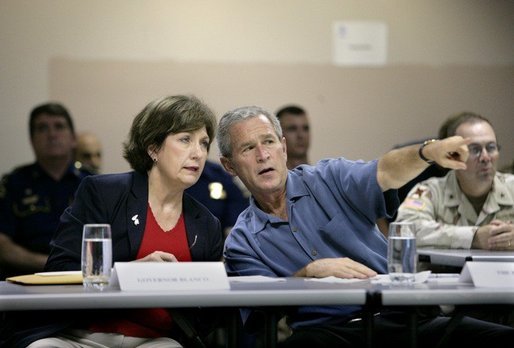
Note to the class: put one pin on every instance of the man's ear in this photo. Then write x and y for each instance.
(284, 146)
(227, 164)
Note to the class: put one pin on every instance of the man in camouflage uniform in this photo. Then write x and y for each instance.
(33, 196)
(472, 208)
(466, 209)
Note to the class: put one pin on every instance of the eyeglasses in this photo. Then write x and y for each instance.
(475, 150)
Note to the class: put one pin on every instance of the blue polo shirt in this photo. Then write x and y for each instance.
(332, 209)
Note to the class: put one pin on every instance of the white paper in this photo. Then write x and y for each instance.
(53, 274)
(359, 43)
(488, 274)
(256, 279)
(419, 278)
(333, 279)
(158, 276)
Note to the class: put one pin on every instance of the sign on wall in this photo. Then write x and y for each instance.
(359, 43)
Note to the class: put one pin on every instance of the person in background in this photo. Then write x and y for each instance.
(471, 208)
(88, 153)
(152, 220)
(33, 196)
(466, 209)
(217, 190)
(296, 130)
(319, 221)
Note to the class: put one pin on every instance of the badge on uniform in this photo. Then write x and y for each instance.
(216, 191)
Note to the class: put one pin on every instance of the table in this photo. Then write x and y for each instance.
(288, 292)
(458, 257)
(269, 294)
(439, 290)
(442, 290)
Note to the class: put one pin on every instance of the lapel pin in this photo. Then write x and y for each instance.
(135, 219)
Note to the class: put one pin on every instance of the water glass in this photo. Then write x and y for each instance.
(401, 252)
(96, 256)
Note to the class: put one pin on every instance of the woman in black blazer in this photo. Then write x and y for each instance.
(151, 219)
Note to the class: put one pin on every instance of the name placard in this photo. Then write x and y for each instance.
(158, 276)
(488, 274)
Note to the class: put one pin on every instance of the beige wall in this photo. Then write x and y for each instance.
(106, 59)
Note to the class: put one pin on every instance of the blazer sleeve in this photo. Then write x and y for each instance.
(66, 244)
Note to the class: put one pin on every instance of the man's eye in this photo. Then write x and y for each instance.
(490, 148)
(42, 128)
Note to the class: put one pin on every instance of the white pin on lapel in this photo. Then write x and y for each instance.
(135, 219)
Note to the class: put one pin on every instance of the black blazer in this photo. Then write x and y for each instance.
(120, 199)
(113, 199)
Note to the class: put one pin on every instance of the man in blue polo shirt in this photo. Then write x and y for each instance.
(33, 196)
(319, 221)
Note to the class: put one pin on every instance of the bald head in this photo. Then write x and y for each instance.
(89, 151)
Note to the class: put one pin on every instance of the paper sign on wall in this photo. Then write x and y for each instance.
(488, 274)
(157, 276)
(359, 43)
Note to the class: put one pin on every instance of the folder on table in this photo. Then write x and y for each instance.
(48, 278)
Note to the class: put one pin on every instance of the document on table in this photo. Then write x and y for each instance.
(255, 279)
(420, 277)
(48, 278)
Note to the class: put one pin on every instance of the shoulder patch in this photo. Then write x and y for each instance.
(421, 190)
(412, 203)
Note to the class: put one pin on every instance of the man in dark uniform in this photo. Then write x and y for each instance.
(217, 190)
(33, 196)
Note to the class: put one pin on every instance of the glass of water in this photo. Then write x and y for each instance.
(401, 252)
(96, 256)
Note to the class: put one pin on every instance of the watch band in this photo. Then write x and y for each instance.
(420, 151)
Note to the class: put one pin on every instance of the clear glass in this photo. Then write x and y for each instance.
(96, 256)
(401, 252)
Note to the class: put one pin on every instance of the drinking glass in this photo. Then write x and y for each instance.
(401, 252)
(96, 256)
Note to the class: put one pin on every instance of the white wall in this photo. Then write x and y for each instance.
(438, 34)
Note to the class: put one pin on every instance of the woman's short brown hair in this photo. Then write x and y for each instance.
(161, 117)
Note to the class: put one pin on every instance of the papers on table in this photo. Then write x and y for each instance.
(256, 279)
(48, 278)
(420, 277)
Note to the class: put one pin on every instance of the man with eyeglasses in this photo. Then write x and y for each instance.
(466, 209)
(33, 196)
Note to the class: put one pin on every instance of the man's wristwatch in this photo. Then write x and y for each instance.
(420, 151)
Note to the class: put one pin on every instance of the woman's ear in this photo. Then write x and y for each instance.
(151, 150)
